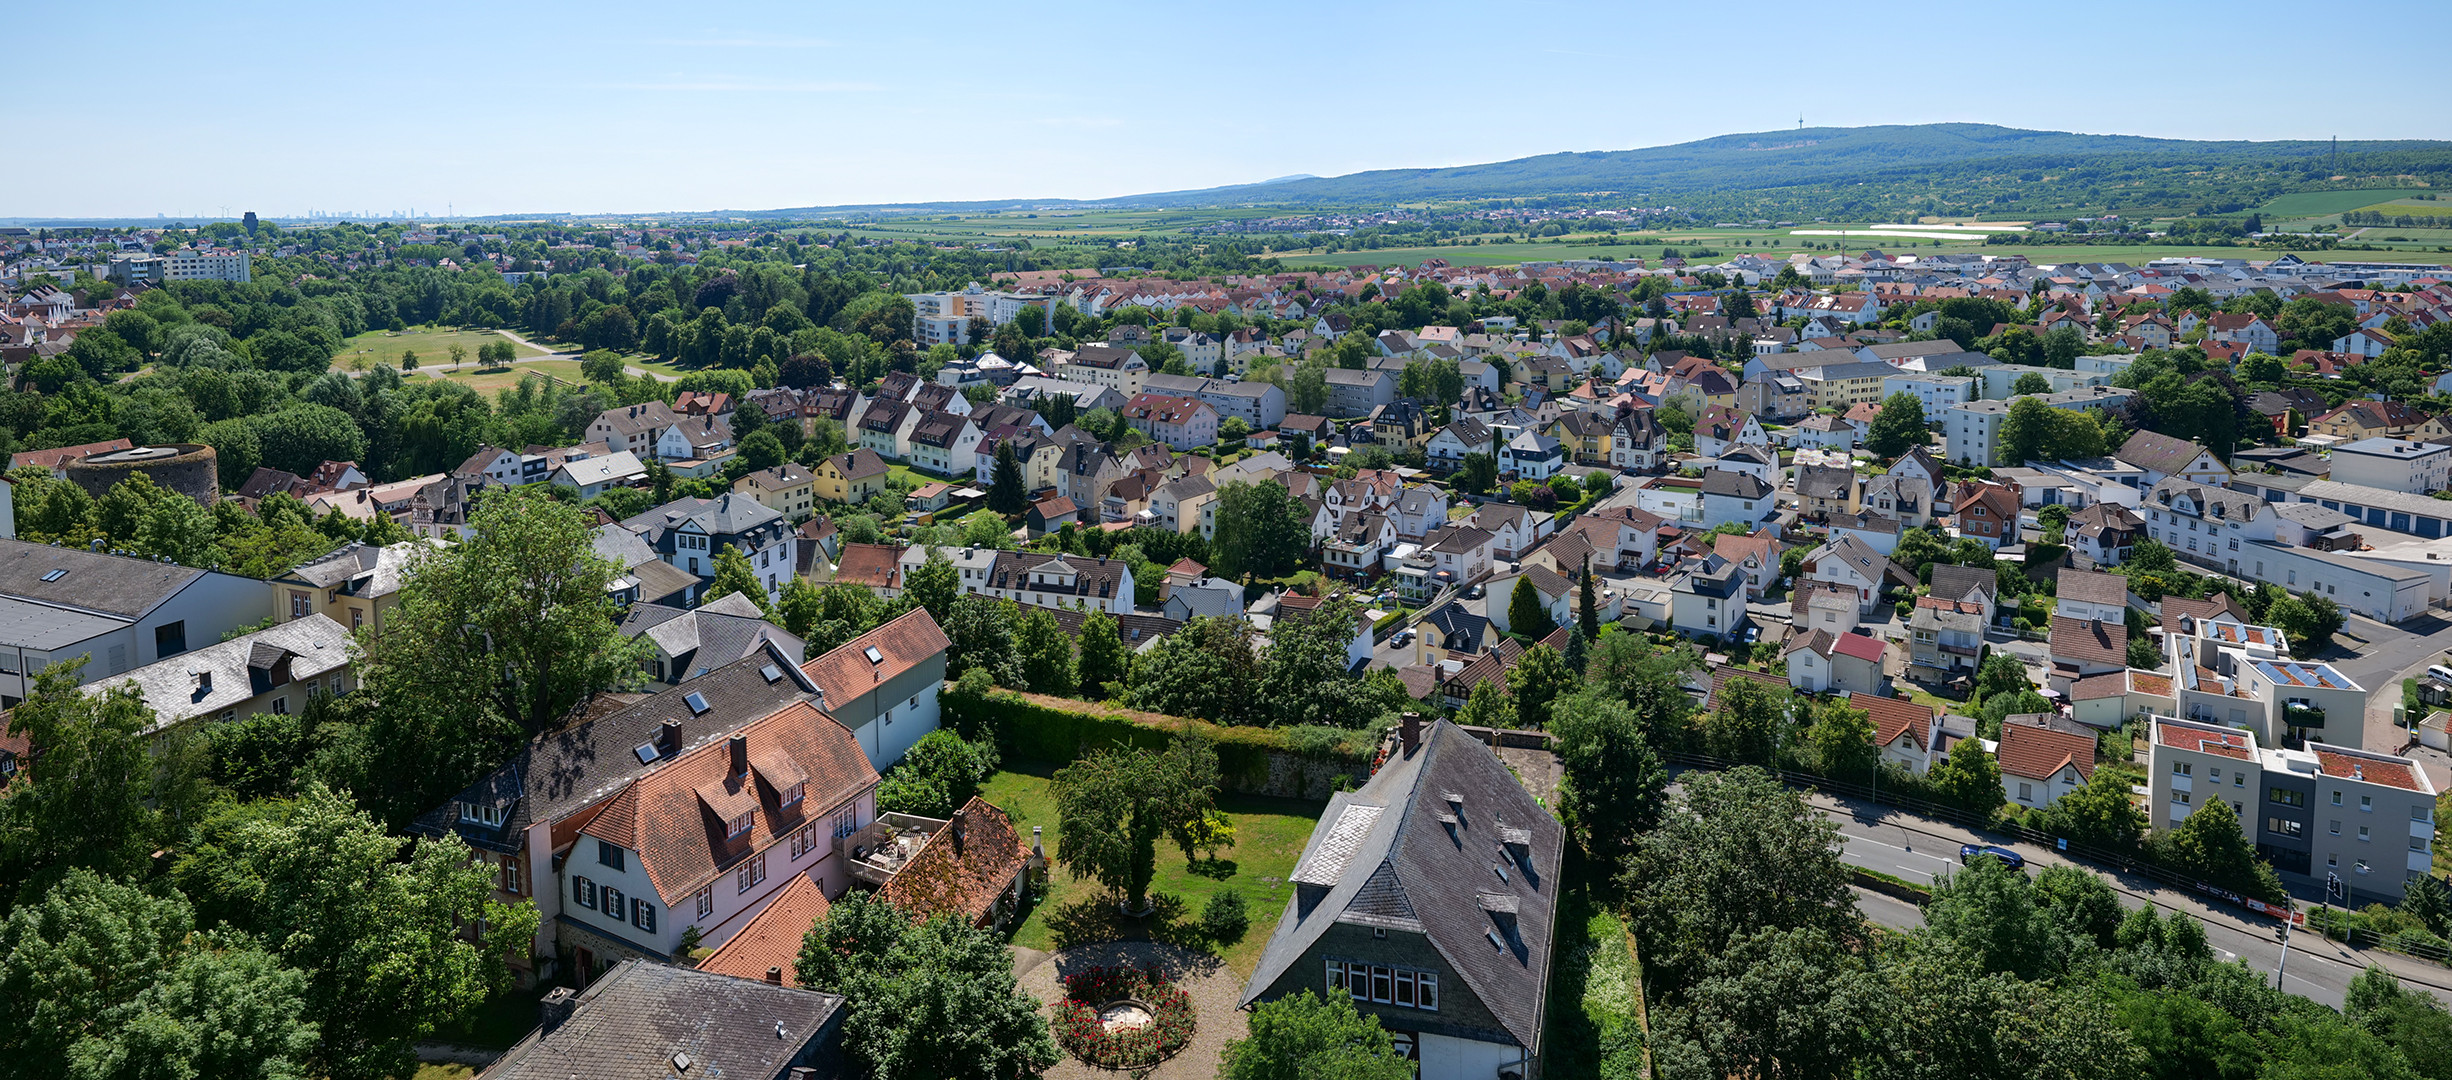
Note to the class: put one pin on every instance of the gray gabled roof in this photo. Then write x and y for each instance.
(637, 1019)
(89, 581)
(563, 771)
(1400, 855)
(1740, 485)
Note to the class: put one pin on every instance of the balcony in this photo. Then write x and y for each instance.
(2422, 830)
(2302, 716)
(879, 850)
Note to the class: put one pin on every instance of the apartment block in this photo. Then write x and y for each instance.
(2242, 676)
(2366, 817)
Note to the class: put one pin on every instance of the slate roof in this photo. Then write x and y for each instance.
(1736, 485)
(562, 772)
(1092, 578)
(1822, 482)
(634, 1020)
(1454, 622)
(2157, 452)
(238, 669)
(92, 581)
(361, 570)
(711, 635)
(1388, 856)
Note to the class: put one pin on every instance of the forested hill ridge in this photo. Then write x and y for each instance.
(1863, 172)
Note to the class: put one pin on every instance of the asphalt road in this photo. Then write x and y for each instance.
(1880, 838)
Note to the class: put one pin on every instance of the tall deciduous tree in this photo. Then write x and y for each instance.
(1477, 474)
(1103, 660)
(1114, 806)
(1740, 853)
(1046, 654)
(1745, 722)
(1262, 530)
(1307, 1037)
(934, 998)
(1539, 677)
(87, 797)
(2211, 847)
(1613, 788)
(108, 981)
(733, 574)
(393, 948)
(1970, 778)
(934, 585)
(1206, 670)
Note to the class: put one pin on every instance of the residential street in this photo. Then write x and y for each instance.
(1918, 849)
(1884, 839)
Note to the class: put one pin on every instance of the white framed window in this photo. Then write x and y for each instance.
(704, 902)
(739, 825)
(643, 915)
(752, 872)
(613, 905)
(846, 821)
(583, 892)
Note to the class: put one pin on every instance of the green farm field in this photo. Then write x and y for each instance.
(2305, 204)
(431, 343)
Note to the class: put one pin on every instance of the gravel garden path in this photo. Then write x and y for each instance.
(1214, 988)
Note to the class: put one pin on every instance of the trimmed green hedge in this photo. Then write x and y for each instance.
(1041, 728)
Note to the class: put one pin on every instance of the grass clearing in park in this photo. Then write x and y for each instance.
(431, 343)
(488, 381)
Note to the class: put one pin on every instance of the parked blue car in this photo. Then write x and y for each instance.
(1968, 853)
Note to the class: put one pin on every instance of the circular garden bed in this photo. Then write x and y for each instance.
(1123, 1018)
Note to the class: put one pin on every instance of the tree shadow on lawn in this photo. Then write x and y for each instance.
(1213, 868)
(1094, 919)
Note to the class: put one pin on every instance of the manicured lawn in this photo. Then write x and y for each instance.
(432, 344)
(1269, 837)
(444, 1072)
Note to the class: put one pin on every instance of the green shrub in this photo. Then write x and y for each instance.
(1037, 731)
(1224, 918)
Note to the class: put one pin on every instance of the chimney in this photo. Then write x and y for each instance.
(1038, 841)
(775, 975)
(1409, 732)
(669, 738)
(957, 830)
(556, 1007)
(740, 754)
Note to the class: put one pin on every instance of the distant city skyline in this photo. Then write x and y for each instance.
(287, 108)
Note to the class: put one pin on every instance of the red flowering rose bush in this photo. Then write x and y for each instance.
(1082, 1033)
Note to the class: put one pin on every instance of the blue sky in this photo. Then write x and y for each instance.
(502, 107)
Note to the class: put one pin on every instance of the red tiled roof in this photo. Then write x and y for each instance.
(53, 459)
(1861, 646)
(772, 938)
(665, 815)
(2223, 741)
(2373, 770)
(878, 566)
(1894, 716)
(902, 644)
(2038, 752)
(962, 878)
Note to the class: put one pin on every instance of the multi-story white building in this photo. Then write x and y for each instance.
(2366, 817)
(207, 265)
(944, 318)
(2393, 465)
(1971, 430)
(1937, 392)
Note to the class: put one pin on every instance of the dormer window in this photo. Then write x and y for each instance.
(481, 814)
(739, 826)
(792, 795)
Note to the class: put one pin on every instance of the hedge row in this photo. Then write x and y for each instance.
(1042, 728)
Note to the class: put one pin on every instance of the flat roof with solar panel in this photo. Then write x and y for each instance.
(2313, 676)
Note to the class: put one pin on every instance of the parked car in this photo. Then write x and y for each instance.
(1968, 853)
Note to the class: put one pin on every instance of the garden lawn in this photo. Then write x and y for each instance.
(1269, 837)
(490, 380)
(1595, 1015)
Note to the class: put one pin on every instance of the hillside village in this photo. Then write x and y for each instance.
(2077, 531)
